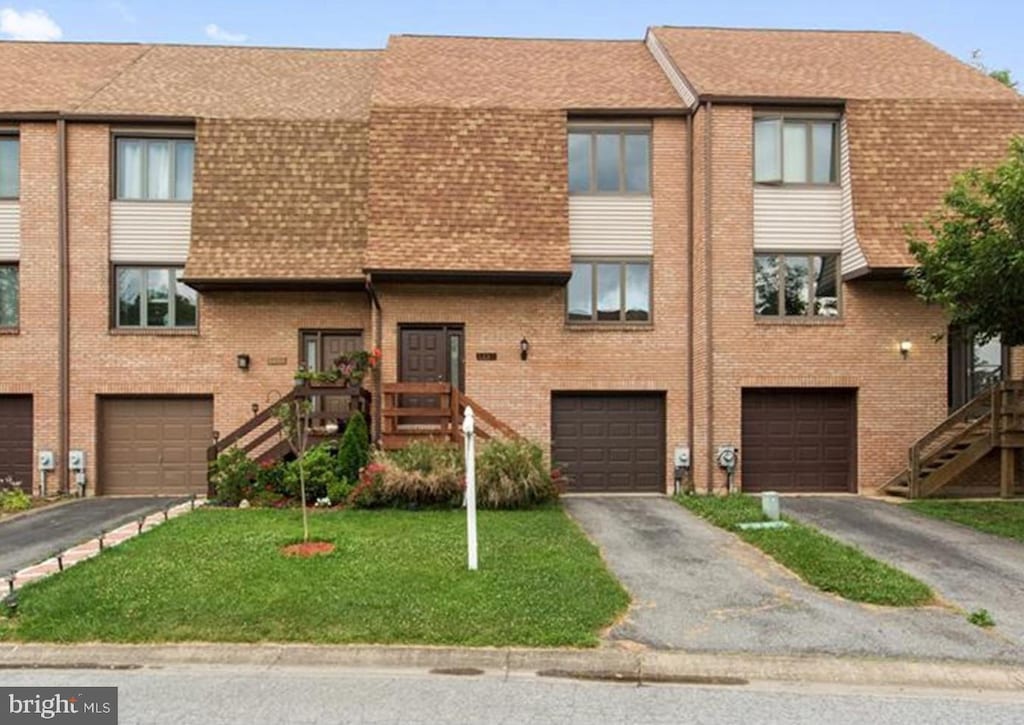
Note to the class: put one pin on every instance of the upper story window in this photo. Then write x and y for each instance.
(609, 291)
(794, 150)
(8, 295)
(10, 167)
(796, 285)
(153, 297)
(609, 161)
(154, 168)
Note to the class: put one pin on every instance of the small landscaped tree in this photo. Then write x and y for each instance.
(973, 263)
(294, 418)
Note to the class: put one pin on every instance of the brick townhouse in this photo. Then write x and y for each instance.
(632, 252)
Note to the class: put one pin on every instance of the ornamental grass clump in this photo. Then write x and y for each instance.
(512, 474)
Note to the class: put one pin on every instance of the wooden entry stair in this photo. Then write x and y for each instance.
(994, 420)
(402, 424)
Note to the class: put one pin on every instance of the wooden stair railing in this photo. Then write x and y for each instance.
(992, 419)
(402, 423)
(261, 437)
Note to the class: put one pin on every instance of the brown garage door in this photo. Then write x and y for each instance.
(16, 438)
(609, 442)
(154, 445)
(799, 440)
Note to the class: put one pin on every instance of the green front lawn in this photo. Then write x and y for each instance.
(818, 559)
(1002, 518)
(395, 577)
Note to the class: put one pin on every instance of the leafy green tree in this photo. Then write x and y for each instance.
(975, 267)
(1002, 75)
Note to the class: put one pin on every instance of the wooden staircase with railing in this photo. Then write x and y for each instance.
(261, 437)
(993, 420)
(405, 417)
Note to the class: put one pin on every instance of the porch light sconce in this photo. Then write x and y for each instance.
(905, 346)
(524, 349)
(243, 361)
(255, 409)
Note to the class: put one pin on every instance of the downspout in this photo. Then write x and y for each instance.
(690, 292)
(378, 342)
(63, 284)
(708, 284)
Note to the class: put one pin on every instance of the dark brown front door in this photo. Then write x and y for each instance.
(320, 348)
(799, 440)
(16, 438)
(609, 442)
(154, 446)
(430, 355)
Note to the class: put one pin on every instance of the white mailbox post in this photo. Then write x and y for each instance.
(469, 435)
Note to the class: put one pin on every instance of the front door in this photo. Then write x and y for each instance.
(319, 350)
(973, 367)
(430, 354)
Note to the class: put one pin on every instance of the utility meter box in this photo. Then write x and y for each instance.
(47, 461)
(726, 457)
(681, 457)
(76, 461)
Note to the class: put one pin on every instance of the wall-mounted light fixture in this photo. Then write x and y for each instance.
(524, 349)
(905, 347)
(255, 408)
(243, 361)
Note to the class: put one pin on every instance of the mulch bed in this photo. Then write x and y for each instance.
(308, 548)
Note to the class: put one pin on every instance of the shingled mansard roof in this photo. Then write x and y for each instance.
(444, 153)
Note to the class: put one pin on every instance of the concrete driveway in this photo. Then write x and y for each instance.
(39, 535)
(700, 588)
(968, 568)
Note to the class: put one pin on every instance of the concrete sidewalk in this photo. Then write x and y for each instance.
(608, 663)
(698, 588)
(966, 567)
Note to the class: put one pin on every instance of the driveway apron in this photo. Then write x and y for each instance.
(967, 568)
(700, 588)
(29, 539)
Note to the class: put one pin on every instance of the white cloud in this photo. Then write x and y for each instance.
(215, 32)
(28, 25)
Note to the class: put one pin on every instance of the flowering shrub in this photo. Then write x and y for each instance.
(233, 474)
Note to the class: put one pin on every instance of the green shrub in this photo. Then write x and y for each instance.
(338, 490)
(512, 474)
(320, 465)
(232, 476)
(981, 618)
(270, 478)
(12, 497)
(427, 457)
(354, 453)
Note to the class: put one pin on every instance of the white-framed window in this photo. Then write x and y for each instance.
(153, 297)
(795, 150)
(609, 290)
(795, 284)
(153, 168)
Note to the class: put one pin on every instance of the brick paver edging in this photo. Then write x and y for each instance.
(92, 547)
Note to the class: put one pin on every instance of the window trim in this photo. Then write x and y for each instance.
(808, 316)
(622, 130)
(143, 327)
(132, 134)
(807, 118)
(16, 327)
(622, 321)
(13, 134)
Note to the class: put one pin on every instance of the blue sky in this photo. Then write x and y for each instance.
(958, 27)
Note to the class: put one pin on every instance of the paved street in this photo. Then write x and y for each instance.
(209, 695)
(699, 588)
(29, 539)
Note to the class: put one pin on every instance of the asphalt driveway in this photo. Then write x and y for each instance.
(968, 568)
(29, 539)
(700, 588)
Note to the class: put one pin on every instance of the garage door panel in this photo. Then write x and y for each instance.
(608, 441)
(798, 440)
(154, 445)
(16, 454)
